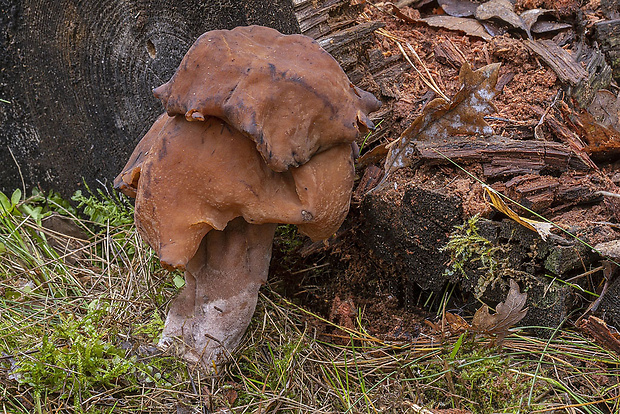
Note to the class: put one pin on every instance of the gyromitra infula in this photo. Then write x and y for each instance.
(258, 130)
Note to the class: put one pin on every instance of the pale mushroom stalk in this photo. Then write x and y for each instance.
(207, 319)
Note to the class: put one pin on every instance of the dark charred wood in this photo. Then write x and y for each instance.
(607, 34)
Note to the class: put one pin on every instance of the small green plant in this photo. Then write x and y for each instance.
(468, 248)
(152, 329)
(112, 209)
(74, 358)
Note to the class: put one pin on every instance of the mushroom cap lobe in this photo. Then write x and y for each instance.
(283, 91)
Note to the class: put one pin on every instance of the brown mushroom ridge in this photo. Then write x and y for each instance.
(283, 91)
(196, 176)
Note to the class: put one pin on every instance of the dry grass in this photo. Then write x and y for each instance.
(78, 326)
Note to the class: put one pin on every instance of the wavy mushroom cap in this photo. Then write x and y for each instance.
(283, 91)
(191, 177)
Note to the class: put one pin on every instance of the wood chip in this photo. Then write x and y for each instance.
(601, 332)
(559, 60)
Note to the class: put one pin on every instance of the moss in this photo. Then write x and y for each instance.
(469, 250)
(480, 379)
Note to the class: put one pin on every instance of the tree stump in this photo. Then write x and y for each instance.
(77, 78)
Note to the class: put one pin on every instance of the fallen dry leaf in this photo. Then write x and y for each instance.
(442, 121)
(501, 10)
(456, 323)
(451, 324)
(529, 17)
(543, 229)
(471, 27)
(508, 314)
(544, 26)
(458, 8)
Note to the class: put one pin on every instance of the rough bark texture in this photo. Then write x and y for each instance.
(608, 35)
(78, 76)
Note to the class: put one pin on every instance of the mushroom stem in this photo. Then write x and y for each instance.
(209, 316)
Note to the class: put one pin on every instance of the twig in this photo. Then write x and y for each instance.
(588, 273)
(607, 194)
(537, 132)
(430, 83)
(432, 80)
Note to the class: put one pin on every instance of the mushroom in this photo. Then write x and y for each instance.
(259, 130)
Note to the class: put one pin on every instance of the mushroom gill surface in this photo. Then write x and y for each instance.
(283, 91)
(196, 176)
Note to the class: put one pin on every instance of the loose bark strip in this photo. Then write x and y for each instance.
(503, 157)
(600, 331)
(561, 61)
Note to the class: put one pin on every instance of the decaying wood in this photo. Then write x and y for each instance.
(559, 60)
(545, 193)
(610, 8)
(566, 135)
(599, 77)
(318, 19)
(333, 23)
(601, 332)
(607, 34)
(350, 47)
(602, 142)
(505, 157)
(447, 53)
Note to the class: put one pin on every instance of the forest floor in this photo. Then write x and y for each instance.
(83, 300)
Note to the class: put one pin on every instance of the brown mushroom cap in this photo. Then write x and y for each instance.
(191, 177)
(127, 180)
(283, 91)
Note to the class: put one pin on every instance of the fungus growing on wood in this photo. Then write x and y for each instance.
(258, 131)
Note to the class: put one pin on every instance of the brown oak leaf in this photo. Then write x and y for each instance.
(442, 120)
(508, 314)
